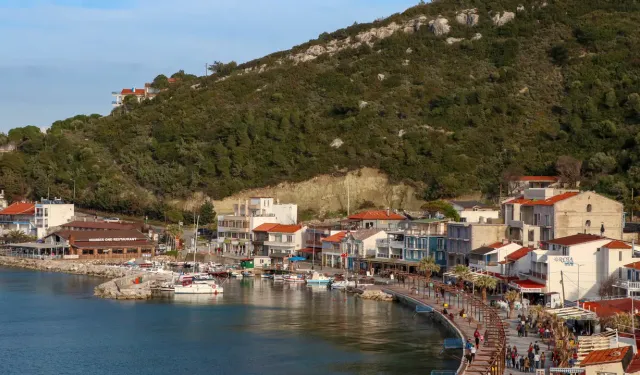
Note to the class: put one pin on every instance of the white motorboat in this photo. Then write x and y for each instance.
(278, 277)
(294, 278)
(266, 276)
(342, 284)
(318, 278)
(247, 274)
(235, 274)
(198, 287)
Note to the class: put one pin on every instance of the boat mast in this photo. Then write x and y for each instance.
(195, 242)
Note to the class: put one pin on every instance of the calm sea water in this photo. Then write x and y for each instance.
(51, 324)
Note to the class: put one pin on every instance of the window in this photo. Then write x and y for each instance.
(565, 251)
(547, 220)
(510, 210)
(587, 223)
(589, 208)
(619, 272)
(289, 238)
(440, 243)
(620, 256)
(531, 235)
(537, 219)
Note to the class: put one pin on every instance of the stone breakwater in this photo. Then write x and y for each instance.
(121, 285)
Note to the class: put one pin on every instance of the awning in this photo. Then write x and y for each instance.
(527, 286)
(575, 313)
(309, 250)
(38, 245)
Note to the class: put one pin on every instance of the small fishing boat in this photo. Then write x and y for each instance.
(247, 274)
(197, 287)
(342, 284)
(294, 279)
(318, 278)
(235, 274)
(266, 276)
(278, 277)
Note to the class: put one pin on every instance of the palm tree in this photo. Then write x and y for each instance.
(486, 282)
(511, 296)
(428, 266)
(462, 273)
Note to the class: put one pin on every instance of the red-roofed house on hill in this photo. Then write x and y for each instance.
(277, 241)
(376, 219)
(343, 248)
(544, 214)
(19, 216)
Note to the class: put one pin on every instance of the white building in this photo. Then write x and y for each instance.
(487, 258)
(18, 216)
(51, 214)
(235, 230)
(343, 248)
(474, 211)
(582, 261)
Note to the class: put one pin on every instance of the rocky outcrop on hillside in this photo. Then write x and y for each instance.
(439, 26)
(468, 17)
(506, 17)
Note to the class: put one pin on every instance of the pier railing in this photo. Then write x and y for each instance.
(476, 310)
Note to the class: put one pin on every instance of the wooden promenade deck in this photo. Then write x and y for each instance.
(490, 356)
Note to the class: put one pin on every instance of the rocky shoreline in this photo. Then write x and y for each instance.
(120, 286)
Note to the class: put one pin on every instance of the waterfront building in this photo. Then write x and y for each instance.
(546, 213)
(50, 214)
(342, 248)
(464, 237)
(99, 244)
(278, 241)
(140, 94)
(313, 237)
(235, 231)
(376, 219)
(474, 211)
(18, 216)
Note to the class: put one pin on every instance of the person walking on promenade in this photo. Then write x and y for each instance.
(536, 360)
(476, 334)
(473, 353)
(536, 347)
(542, 358)
(514, 354)
(526, 365)
(507, 357)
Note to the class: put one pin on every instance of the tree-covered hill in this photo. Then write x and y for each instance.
(452, 113)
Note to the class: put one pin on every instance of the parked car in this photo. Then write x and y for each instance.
(112, 220)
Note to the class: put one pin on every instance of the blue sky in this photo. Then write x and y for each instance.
(64, 57)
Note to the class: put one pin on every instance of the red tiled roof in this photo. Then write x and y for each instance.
(19, 208)
(528, 284)
(543, 202)
(634, 265)
(309, 250)
(129, 92)
(611, 307)
(634, 365)
(598, 357)
(576, 239)
(497, 245)
(617, 245)
(285, 228)
(97, 225)
(521, 252)
(376, 215)
(335, 237)
(536, 178)
(265, 227)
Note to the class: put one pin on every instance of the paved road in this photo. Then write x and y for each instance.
(522, 343)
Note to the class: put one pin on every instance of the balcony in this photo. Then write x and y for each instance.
(629, 285)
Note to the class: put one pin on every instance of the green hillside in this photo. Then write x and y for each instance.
(561, 78)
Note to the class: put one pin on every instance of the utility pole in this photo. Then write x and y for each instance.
(206, 69)
(348, 196)
(562, 283)
(579, 295)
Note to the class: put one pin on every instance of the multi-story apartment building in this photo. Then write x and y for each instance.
(235, 230)
(51, 214)
(518, 185)
(489, 258)
(545, 214)
(18, 216)
(278, 240)
(377, 219)
(414, 240)
(464, 237)
(582, 262)
(343, 248)
(313, 237)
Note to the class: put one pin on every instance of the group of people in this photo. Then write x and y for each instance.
(471, 348)
(527, 362)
